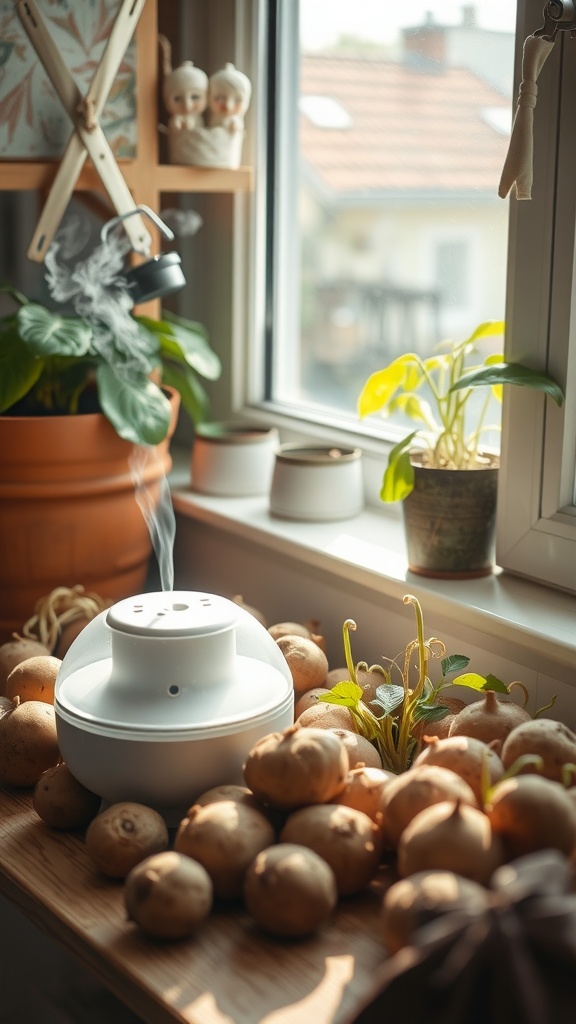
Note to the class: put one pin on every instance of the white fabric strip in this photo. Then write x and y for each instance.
(517, 168)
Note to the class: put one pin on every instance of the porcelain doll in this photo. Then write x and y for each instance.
(229, 94)
(219, 144)
(185, 92)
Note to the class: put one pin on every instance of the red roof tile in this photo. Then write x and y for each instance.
(412, 130)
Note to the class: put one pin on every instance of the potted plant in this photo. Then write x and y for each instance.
(86, 415)
(449, 515)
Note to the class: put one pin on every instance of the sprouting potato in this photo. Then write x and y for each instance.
(423, 896)
(296, 767)
(553, 742)
(359, 749)
(309, 699)
(326, 716)
(33, 679)
(451, 836)
(472, 759)
(488, 719)
(532, 813)
(28, 742)
(364, 790)
(347, 839)
(418, 788)
(61, 801)
(168, 895)
(124, 834)
(224, 837)
(289, 890)
(306, 660)
(16, 650)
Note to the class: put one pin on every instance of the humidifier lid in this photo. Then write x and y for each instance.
(179, 663)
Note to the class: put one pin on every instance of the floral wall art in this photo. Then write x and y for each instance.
(33, 122)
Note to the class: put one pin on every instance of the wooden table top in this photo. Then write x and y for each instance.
(230, 973)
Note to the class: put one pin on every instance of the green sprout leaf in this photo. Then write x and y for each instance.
(493, 683)
(476, 682)
(424, 712)
(389, 696)
(454, 663)
(346, 693)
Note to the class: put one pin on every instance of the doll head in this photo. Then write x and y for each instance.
(229, 93)
(185, 90)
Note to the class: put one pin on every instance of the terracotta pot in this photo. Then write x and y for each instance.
(68, 511)
(450, 521)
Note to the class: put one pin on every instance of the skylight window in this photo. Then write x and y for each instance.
(325, 112)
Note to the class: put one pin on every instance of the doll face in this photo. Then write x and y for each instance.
(185, 93)
(226, 100)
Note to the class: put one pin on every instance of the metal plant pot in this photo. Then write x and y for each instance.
(450, 521)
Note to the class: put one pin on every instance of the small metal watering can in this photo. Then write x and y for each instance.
(159, 276)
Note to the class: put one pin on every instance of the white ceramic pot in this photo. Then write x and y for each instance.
(233, 460)
(317, 483)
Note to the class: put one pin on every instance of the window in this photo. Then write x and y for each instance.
(453, 272)
(387, 233)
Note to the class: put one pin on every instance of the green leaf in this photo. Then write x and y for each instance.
(193, 396)
(381, 386)
(471, 679)
(47, 334)
(493, 683)
(137, 408)
(424, 712)
(345, 693)
(389, 696)
(511, 373)
(476, 682)
(413, 406)
(184, 342)
(8, 289)
(488, 329)
(399, 476)
(19, 368)
(453, 663)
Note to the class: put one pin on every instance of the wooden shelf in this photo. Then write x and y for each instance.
(145, 176)
(21, 175)
(229, 972)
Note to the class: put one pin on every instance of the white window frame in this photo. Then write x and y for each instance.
(536, 531)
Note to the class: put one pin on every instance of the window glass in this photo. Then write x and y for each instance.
(391, 235)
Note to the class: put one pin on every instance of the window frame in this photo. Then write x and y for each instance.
(536, 527)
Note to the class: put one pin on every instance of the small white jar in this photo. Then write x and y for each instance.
(233, 459)
(317, 483)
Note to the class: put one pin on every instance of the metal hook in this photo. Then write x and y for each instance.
(558, 15)
(162, 227)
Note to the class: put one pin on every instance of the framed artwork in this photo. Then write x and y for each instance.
(33, 123)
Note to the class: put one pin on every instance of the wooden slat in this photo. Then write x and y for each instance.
(22, 176)
(230, 973)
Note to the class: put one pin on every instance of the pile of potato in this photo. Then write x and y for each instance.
(318, 819)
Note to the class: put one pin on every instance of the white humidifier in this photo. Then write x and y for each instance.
(162, 696)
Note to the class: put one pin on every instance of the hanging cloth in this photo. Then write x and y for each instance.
(517, 168)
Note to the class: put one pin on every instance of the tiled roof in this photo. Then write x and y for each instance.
(411, 130)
